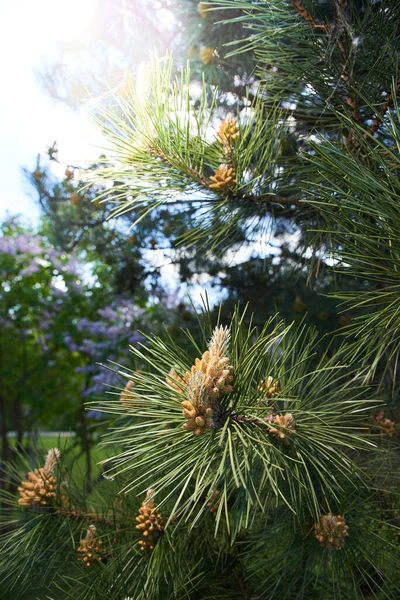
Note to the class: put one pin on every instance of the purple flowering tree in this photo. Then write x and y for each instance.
(92, 341)
(39, 289)
(58, 322)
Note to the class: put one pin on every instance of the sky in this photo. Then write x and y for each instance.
(30, 120)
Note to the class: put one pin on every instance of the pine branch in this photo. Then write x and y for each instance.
(303, 12)
(377, 121)
(75, 515)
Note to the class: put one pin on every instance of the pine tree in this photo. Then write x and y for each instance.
(251, 461)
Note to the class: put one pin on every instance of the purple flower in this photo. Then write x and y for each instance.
(94, 414)
(7, 246)
(31, 269)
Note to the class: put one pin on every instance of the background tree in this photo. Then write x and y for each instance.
(52, 324)
(40, 292)
(160, 238)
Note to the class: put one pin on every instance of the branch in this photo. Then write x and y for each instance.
(243, 419)
(303, 12)
(77, 516)
(379, 117)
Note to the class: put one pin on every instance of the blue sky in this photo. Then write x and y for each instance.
(30, 120)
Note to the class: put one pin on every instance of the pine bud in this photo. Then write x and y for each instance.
(207, 55)
(223, 179)
(189, 411)
(126, 397)
(202, 9)
(149, 524)
(209, 379)
(91, 549)
(173, 380)
(270, 387)
(41, 485)
(228, 132)
(331, 531)
(284, 422)
(381, 424)
(213, 503)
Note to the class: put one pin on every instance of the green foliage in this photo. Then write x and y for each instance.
(358, 192)
(34, 308)
(238, 456)
(265, 465)
(159, 135)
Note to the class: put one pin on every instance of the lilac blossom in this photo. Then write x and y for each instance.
(31, 269)
(104, 339)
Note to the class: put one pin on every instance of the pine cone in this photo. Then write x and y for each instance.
(331, 531)
(270, 387)
(285, 421)
(91, 549)
(126, 397)
(223, 179)
(41, 485)
(207, 55)
(149, 523)
(228, 132)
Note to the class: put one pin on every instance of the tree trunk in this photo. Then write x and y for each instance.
(5, 449)
(85, 443)
(17, 422)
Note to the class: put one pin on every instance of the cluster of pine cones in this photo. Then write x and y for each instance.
(91, 549)
(150, 525)
(40, 487)
(331, 531)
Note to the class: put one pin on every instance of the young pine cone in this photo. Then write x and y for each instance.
(41, 485)
(126, 397)
(149, 524)
(223, 179)
(383, 425)
(270, 387)
(228, 132)
(285, 421)
(174, 379)
(331, 531)
(91, 549)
